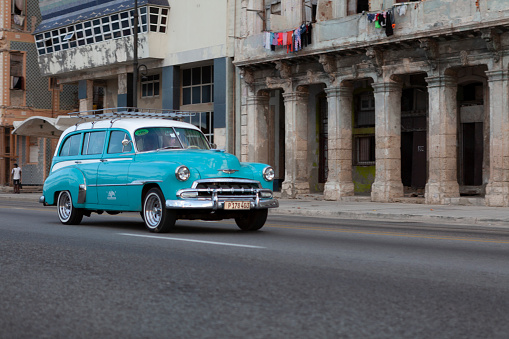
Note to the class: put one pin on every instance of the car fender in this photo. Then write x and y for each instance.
(66, 179)
(160, 173)
(257, 173)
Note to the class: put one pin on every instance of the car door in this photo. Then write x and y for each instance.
(91, 154)
(113, 170)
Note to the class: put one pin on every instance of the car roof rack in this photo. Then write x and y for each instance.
(132, 112)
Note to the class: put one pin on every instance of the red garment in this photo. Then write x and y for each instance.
(279, 39)
(289, 40)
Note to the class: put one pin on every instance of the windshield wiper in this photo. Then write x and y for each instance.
(170, 147)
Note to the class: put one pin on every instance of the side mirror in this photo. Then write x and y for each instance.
(213, 146)
(126, 142)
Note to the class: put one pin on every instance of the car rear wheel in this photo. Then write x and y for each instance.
(252, 220)
(67, 213)
(157, 218)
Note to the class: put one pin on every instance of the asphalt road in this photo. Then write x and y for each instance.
(296, 278)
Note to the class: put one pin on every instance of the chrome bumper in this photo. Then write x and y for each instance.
(216, 201)
(42, 200)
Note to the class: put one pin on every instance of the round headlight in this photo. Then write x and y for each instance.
(268, 173)
(182, 173)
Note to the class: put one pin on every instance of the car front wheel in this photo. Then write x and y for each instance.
(252, 220)
(67, 213)
(157, 218)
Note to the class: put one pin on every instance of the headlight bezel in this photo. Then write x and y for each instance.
(268, 174)
(182, 173)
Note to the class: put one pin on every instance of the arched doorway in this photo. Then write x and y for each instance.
(471, 137)
(414, 130)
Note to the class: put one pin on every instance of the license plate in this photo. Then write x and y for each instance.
(237, 205)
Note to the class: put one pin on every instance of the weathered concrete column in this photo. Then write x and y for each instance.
(339, 180)
(86, 95)
(442, 140)
(296, 148)
(125, 93)
(257, 109)
(497, 190)
(388, 184)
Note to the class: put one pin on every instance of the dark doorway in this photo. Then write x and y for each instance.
(471, 138)
(472, 153)
(277, 137)
(414, 136)
(323, 137)
(413, 159)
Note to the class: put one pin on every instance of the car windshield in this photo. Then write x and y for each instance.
(154, 138)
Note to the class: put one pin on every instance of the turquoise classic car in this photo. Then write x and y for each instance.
(162, 168)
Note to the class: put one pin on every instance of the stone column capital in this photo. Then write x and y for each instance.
(344, 90)
(261, 96)
(385, 87)
(295, 95)
(442, 81)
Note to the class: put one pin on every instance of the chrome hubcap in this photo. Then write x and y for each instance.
(64, 206)
(153, 210)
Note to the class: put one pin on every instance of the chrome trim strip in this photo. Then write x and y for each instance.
(215, 205)
(134, 183)
(82, 193)
(142, 182)
(216, 201)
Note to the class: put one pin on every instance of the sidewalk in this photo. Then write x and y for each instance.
(367, 210)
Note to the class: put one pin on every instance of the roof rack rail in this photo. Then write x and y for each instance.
(132, 112)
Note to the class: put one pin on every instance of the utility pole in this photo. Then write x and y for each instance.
(135, 58)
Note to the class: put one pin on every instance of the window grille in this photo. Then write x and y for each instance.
(96, 30)
(150, 86)
(198, 85)
(364, 150)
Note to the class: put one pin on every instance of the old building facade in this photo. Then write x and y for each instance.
(377, 97)
(175, 63)
(25, 92)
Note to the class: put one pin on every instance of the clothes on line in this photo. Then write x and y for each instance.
(294, 40)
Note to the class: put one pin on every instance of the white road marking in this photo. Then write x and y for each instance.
(190, 240)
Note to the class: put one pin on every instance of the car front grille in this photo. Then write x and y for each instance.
(224, 188)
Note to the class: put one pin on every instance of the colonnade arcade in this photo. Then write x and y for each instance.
(441, 124)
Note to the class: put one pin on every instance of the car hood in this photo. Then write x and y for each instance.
(208, 163)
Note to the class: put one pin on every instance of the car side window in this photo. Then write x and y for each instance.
(93, 143)
(71, 146)
(115, 145)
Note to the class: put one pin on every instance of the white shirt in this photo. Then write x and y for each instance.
(16, 173)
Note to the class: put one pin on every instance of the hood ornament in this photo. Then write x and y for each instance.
(228, 171)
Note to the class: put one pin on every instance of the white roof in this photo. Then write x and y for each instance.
(129, 124)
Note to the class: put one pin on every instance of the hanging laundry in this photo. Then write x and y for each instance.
(371, 17)
(289, 39)
(377, 21)
(381, 20)
(279, 39)
(267, 42)
(402, 10)
(388, 26)
(298, 41)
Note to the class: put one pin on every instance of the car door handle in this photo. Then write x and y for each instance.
(77, 162)
(103, 160)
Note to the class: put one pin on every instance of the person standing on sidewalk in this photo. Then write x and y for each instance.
(16, 178)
